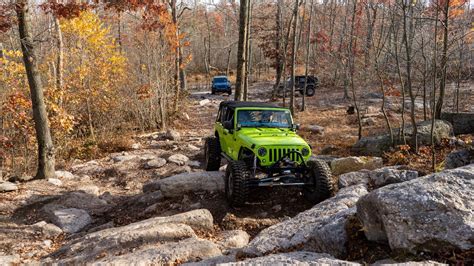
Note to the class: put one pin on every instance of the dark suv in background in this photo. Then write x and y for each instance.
(311, 84)
(221, 84)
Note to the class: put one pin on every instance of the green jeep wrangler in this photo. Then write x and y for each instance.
(260, 144)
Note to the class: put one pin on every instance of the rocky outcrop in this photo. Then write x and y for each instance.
(188, 182)
(431, 213)
(233, 239)
(350, 164)
(137, 235)
(319, 229)
(375, 146)
(293, 258)
(463, 123)
(379, 177)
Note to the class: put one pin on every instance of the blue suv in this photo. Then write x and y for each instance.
(221, 84)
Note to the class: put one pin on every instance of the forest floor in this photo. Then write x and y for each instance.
(121, 183)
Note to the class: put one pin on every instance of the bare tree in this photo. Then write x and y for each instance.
(308, 52)
(241, 52)
(293, 58)
(46, 159)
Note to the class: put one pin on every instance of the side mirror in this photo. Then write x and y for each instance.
(228, 125)
(295, 126)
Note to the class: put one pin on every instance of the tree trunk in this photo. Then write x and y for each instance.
(435, 77)
(241, 52)
(293, 58)
(444, 61)
(279, 55)
(59, 66)
(248, 49)
(352, 68)
(43, 135)
(308, 39)
(176, 77)
(408, 32)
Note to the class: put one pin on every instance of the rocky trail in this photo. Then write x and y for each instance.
(154, 204)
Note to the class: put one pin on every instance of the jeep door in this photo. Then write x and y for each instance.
(226, 136)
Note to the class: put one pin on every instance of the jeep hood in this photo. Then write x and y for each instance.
(270, 137)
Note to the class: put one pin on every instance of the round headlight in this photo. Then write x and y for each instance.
(262, 151)
(305, 151)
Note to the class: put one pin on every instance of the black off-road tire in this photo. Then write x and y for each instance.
(237, 183)
(320, 175)
(212, 154)
(310, 91)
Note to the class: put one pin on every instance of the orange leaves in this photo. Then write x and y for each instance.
(67, 10)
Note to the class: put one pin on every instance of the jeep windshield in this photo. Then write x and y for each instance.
(264, 118)
(220, 80)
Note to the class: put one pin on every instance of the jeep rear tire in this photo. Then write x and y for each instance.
(310, 91)
(320, 175)
(212, 154)
(236, 183)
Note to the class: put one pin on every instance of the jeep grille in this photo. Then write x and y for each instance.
(276, 154)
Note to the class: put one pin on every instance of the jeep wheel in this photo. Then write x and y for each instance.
(236, 183)
(320, 175)
(212, 154)
(310, 91)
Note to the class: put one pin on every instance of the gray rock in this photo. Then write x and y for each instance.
(459, 158)
(233, 239)
(124, 158)
(20, 178)
(150, 198)
(204, 102)
(172, 135)
(302, 258)
(64, 174)
(430, 213)
(350, 164)
(7, 186)
(71, 220)
(90, 189)
(390, 175)
(77, 200)
(379, 177)
(187, 250)
(153, 231)
(88, 168)
(375, 146)
(155, 163)
(319, 229)
(463, 123)
(55, 181)
(318, 130)
(189, 182)
(408, 263)
(49, 230)
(10, 259)
(194, 164)
(178, 159)
(354, 178)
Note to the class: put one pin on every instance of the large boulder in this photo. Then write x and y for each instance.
(350, 164)
(463, 123)
(177, 185)
(293, 258)
(376, 145)
(319, 229)
(430, 213)
(122, 239)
